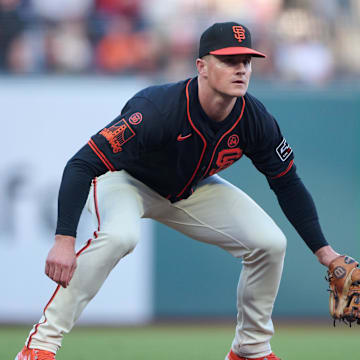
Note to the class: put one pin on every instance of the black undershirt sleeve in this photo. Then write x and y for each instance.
(80, 170)
(298, 206)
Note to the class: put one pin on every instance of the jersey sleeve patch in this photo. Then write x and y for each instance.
(118, 134)
(283, 150)
(135, 118)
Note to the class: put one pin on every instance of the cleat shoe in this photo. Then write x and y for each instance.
(34, 354)
(232, 356)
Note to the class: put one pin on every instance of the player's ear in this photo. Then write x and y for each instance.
(202, 66)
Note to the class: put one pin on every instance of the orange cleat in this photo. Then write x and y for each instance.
(34, 354)
(232, 356)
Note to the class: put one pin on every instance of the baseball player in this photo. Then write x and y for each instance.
(159, 159)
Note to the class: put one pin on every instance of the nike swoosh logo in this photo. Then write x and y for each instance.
(181, 138)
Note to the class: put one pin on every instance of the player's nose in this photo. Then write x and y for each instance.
(240, 67)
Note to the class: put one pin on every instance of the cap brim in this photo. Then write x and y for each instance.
(237, 50)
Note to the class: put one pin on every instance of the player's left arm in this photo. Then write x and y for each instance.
(299, 207)
(343, 271)
(272, 156)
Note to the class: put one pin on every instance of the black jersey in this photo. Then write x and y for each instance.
(164, 138)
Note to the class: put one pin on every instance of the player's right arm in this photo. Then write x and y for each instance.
(85, 166)
(75, 184)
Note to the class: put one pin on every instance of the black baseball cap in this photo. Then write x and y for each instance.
(228, 38)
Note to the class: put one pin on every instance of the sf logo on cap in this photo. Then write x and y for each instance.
(239, 33)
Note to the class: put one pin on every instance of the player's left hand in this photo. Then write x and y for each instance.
(344, 283)
(61, 260)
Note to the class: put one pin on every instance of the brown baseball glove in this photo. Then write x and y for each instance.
(344, 282)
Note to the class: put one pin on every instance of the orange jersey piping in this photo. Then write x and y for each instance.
(52, 298)
(96, 206)
(88, 243)
(199, 133)
(45, 319)
(101, 155)
(227, 132)
(291, 163)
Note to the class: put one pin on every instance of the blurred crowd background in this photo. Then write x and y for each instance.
(306, 41)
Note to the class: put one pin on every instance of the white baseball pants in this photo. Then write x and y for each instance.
(216, 213)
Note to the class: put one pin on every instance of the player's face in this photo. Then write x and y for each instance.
(228, 74)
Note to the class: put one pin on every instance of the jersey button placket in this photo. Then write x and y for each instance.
(207, 159)
(201, 173)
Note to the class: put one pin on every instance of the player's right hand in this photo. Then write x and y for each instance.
(61, 260)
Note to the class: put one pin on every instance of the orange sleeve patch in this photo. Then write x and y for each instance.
(118, 134)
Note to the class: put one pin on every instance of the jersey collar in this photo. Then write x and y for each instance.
(210, 127)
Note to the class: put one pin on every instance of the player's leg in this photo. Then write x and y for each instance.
(117, 208)
(221, 214)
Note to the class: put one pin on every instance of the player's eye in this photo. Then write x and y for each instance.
(230, 60)
(234, 60)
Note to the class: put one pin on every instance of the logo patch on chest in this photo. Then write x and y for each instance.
(283, 150)
(233, 141)
(226, 157)
(118, 134)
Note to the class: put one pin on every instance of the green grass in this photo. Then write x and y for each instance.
(197, 342)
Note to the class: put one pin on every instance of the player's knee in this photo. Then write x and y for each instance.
(278, 243)
(123, 242)
(269, 250)
(274, 246)
(272, 243)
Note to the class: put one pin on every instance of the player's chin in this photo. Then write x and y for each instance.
(237, 89)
